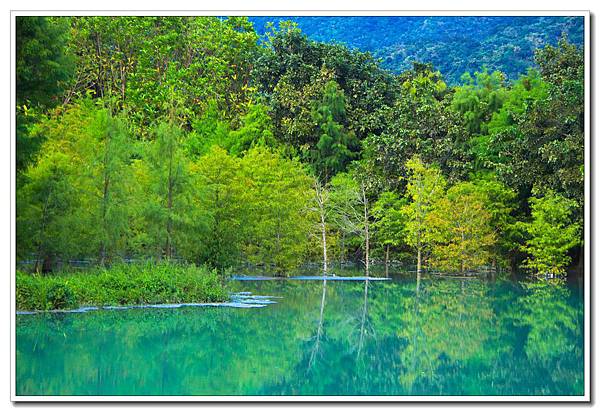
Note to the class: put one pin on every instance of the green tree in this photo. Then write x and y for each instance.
(479, 98)
(278, 222)
(208, 130)
(45, 229)
(390, 222)
(420, 122)
(334, 149)
(552, 233)
(109, 177)
(166, 208)
(462, 230)
(425, 187)
(44, 68)
(256, 129)
(222, 199)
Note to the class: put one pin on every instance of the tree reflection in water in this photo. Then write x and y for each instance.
(423, 336)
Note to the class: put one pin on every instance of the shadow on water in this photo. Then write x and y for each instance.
(409, 336)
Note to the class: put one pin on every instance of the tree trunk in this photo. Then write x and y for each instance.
(324, 237)
(418, 261)
(387, 260)
(366, 224)
(169, 219)
(105, 194)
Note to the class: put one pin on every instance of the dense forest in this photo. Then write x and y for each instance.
(201, 140)
(454, 45)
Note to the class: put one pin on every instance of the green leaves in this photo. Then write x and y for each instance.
(552, 233)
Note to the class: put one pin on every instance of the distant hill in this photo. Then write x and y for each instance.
(453, 44)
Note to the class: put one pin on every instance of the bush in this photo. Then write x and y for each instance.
(120, 285)
(60, 296)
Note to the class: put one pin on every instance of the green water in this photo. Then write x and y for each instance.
(435, 337)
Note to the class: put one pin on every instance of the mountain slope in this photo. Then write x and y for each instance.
(453, 44)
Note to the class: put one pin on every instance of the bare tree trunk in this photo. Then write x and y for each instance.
(320, 197)
(343, 254)
(366, 225)
(324, 237)
(418, 261)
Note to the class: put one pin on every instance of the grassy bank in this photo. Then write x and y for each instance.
(119, 285)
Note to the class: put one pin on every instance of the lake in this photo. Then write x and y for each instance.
(435, 336)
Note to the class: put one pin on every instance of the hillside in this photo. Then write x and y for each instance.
(453, 44)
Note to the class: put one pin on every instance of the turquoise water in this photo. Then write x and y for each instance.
(437, 336)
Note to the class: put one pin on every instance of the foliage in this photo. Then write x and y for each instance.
(551, 234)
(123, 284)
(193, 138)
(455, 45)
(44, 68)
(462, 232)
(390, 219)
(334, 147)
(424, 189)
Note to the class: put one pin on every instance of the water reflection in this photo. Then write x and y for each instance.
(425, 336)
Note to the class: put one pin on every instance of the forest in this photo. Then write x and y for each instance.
(453, 44)
(200, 140)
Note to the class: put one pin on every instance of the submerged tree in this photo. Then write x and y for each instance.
(221, 200)
(552, 233)
(352, 212)
(390, 222)
(425, 187)
(278, 203)
(461, 228)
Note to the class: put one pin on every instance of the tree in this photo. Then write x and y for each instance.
(109, 181)
(45, 229)
(552, 233)
(351, 210)
(334, 149)
(546, 148)
(221, 200)
(420, 122)
(323, 209)
(390, 222)
(279, 201)
(292, 71)
(144, 63)
(462, 232)
(479, 98)
(424, 188)
(43, 64)
(501, 202)
(208, 129)
(256, 129)
(44, 68)
(53, 198)
(166, 208)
